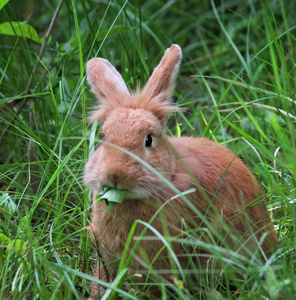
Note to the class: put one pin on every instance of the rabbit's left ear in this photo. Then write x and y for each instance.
(108, 85)
(161, 84)
(105, 80)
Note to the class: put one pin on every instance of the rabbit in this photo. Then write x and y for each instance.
(223, 190)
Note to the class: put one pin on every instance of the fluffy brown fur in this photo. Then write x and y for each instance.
(225, 189)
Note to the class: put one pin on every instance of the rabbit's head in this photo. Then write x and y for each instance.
(133, 128)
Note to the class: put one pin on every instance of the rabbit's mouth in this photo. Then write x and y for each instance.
(113, 196)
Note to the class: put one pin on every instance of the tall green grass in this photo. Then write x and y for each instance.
(237, 82)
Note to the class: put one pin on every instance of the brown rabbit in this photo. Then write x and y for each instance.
(133, 129)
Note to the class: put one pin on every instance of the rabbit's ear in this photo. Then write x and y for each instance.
(107, 84)
(161, 84)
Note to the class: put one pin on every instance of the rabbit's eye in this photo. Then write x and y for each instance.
(148, 140)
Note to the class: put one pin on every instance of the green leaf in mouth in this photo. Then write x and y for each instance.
(111, 196)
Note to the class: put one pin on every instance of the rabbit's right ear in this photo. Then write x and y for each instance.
(107, 84)
(161, 84)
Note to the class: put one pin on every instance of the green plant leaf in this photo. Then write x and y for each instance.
(73, 43)
(18, 246)
(114, 195)
(20, 29)
(2, 3)
(4, 240)
(110, 32)
(111, 196)
(7, 203)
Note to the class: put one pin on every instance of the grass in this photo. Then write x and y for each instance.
(237, 82)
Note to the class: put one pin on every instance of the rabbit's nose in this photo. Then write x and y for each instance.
(116, 180)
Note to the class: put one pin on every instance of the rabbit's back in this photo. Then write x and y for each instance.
(223, 182)
(217, 169)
